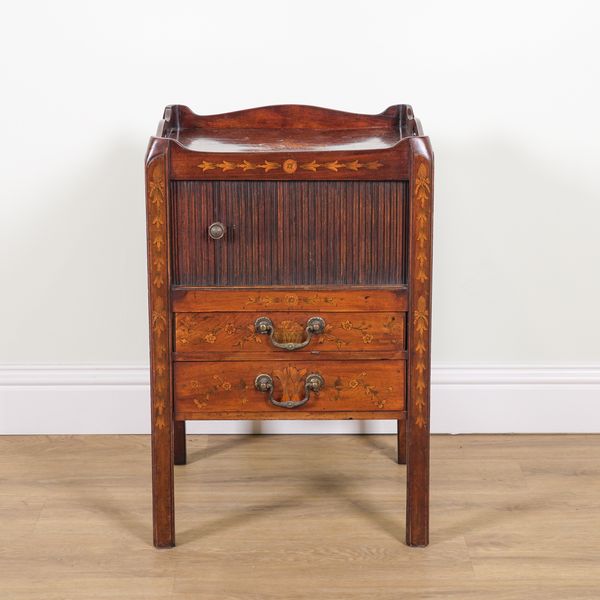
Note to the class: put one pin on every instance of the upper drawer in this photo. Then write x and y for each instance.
(289, 233)
(285, 332)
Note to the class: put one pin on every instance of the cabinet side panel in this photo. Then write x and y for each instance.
(289, 233)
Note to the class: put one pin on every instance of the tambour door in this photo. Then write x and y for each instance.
(289, 233)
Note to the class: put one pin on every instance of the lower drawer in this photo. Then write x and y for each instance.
(346, 386)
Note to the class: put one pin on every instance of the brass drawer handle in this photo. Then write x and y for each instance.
(314, 326)
(313, 383)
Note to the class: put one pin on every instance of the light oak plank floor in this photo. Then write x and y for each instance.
(294, 517)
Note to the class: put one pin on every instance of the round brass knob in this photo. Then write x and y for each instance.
(216, 230)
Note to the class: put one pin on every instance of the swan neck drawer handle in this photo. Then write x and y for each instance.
(313, 383)
(314, 326)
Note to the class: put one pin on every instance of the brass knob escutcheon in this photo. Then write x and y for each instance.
(216, 231)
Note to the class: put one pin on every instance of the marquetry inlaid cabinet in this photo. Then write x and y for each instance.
(289, 261)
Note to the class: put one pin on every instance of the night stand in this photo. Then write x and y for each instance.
(289, 260)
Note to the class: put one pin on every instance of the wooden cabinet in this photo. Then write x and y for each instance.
(289, 258)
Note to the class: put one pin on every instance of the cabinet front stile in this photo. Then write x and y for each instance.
(157, 211)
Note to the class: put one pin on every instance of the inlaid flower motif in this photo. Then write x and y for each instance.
(262, 300)
(210, 338)
(347, 325)
(367, 338)
(290, 165)
(230, 329)
(226, 386)
(291, 299)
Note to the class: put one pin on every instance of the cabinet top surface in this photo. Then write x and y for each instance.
(287, 127)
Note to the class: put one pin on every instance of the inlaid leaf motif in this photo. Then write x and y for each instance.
(158, 241)
(206, 166)
(354, 165)
(292, 383)
(156, 187)
(251, 336)
(313, 165)
(333, 166)
(247, 166)
(421, 310)
(373, 165)
(158, 279)
(269, 166)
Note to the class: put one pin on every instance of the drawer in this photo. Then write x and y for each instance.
(202, 389)
(284, 331)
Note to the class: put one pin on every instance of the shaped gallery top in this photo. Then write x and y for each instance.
(294, 137)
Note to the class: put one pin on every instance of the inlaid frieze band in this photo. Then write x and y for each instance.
(291, 165)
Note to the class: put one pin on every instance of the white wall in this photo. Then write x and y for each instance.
(508, 92)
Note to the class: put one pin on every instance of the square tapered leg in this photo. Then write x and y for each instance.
(180, 443)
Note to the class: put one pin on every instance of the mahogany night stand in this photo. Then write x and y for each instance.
(289, 262)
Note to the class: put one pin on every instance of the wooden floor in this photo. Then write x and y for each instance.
(290, 517)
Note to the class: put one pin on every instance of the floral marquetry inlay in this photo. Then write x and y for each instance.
(420, 310)
(290, 300)
(157, 256)
(206, 390)
(361, 385)
(224, 332)
(290, 166)
(211, 386)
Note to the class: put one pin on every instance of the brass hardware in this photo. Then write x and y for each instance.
(313, 383)
(216, 230)
(314, 326)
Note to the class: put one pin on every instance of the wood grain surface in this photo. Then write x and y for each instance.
(205, 387)
(314, 299)
(321, 212)
(160, 320)
(419, 344)
(344, 332)
(300, 517)
(257, 143)
(289, 233)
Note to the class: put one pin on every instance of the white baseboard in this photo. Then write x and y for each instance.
(82, 399)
